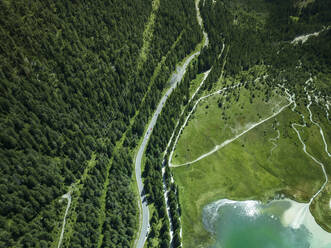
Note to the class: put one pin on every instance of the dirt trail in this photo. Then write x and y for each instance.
(315, 123)
(304, 147)
(303, 38)
(225, 143)
(68, 197)
(273, 141)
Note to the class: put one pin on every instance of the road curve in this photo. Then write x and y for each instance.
(144, 212)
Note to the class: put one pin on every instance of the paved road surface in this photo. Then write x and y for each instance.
(176, 77)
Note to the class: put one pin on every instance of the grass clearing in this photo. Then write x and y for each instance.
(194, 84)
(221, 117)
(312, 137)
(321, 208)
(148, 35)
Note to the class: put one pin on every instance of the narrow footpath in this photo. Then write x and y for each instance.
(304, 148)
(225, 143)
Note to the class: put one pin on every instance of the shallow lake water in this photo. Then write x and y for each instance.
(251, 224)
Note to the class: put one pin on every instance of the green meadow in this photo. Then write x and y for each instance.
(222, 116)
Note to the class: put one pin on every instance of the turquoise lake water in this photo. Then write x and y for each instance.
(250, 224)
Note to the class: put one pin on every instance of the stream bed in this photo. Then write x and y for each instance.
(252, 224)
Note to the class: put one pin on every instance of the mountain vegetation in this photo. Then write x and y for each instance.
(79, 81)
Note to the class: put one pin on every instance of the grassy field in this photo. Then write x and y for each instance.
(148, 34)
(221, 117)
(250, 167)
(315, 146)
(194, 84)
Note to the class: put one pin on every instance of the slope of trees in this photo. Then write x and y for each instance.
(64, 77)
(69, 87)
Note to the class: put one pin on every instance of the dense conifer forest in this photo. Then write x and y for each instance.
(75, 98)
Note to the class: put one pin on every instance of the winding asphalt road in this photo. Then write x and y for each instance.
(144, 216)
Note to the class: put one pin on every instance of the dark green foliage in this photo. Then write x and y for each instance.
(121, 211)
(61, 93)
(84, 233)
(69, 86)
